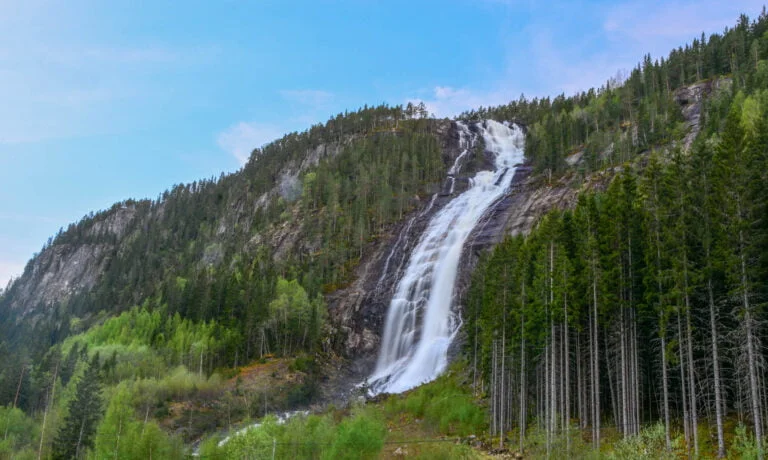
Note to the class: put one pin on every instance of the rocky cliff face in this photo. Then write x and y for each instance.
(61, 270)
(690, 98)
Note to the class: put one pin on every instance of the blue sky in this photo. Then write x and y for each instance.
(103, 101)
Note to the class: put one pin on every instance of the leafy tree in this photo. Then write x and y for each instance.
(121, 435)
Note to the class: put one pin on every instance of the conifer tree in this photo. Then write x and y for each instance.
(83, 413)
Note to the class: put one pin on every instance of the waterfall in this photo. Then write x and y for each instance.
(421, 323)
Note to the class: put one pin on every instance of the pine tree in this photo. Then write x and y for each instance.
(83, 414)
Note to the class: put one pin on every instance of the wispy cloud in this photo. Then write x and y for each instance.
(241, 138)
(60, 90)
(675, 19)
(555, 61)
(446, 101)
(310, 97)
(27, 218)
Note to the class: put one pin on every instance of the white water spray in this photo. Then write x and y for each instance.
(420, 323)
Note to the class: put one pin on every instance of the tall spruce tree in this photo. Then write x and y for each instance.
(83, 414)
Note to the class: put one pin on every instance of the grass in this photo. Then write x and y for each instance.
(445, 406)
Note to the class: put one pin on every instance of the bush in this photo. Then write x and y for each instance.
(744, 446)
(444, 405)
(18, 432)
(649, 444)
(359, 437)
(307, 437)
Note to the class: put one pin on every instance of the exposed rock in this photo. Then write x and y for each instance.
(58, 272)
(115, 223)
(289, 187)
(574, 158)
(61, 270)
(690, 97)
(213, 254)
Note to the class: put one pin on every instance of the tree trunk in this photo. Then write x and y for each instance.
(751, 352)
(665, 387)
(719, 403)
(567, 359)
(596, 374)
(45, 414)
(686, 414)
(691, 374)
(523, 398)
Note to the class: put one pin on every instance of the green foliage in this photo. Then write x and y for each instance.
(443, 405)
(75, 435)
(122, 435)
(143, 343)
(307, 437)
(358, 437)
(257, 442)
(744, 446)
(444, 450)
(650, 444)
(177, 383)
(19, 432)
(351, 198)
(294, 321)
(636, 112)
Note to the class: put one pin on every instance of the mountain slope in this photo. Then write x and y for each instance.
(297, 254)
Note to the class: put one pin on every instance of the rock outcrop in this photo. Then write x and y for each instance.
(61, 270)
(690, 98)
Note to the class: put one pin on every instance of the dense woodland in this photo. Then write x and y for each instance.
(646, 303)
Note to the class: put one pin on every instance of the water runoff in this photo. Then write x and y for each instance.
(421, 322)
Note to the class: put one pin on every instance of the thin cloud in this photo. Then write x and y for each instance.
(90, 82)
(626, 31)
(446, 101)
(310, 97)
(27, 218)
(678, 20)
(241, 138)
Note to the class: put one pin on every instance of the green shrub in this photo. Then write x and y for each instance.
(358, 437)
(17, 431)
(306, 437)
(256, 442)
(649, 444)
(444, 405)
(744, 446)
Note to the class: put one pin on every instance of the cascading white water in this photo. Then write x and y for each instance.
(420, 323)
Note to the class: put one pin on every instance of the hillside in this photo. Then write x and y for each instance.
(618, 282)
